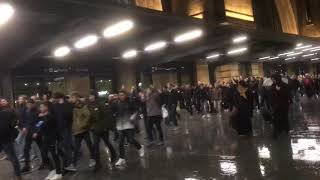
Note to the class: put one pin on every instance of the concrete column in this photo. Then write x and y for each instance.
(214, 11)
(6, 85)
(202, 74)
(126, 76)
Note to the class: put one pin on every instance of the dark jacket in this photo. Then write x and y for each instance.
(123, 110)
(21, 112)
(47, 127)
(153, 104)
(8, 132)
(280, 99)
(101, 118)
(31, 120)
(63, 114)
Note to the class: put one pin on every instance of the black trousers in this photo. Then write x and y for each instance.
(65, 147)
(129, 135)
(27, 147)
(50, 146)
(78, 140)
(189, 106)
(97, 136)
(8, 148)
(281, 122)
(155, 121)
(172, 110)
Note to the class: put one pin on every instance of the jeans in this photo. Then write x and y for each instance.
(9, 150)
(78, 140)
(65, 147)
(28, 145)
(155, 120)
(50, 146)
(19, 144)
(129, 135)
(96, 143)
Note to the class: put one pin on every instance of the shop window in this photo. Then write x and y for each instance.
(239, 9)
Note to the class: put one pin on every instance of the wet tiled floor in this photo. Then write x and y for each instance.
(207, 149)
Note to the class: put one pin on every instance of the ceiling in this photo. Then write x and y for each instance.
(39, 26)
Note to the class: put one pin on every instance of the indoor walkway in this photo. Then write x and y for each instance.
(207, 149)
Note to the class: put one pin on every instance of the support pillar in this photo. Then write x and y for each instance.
(126, 76)
(6, 86)
(202, 74)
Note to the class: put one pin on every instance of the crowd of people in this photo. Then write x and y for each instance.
(60, 123)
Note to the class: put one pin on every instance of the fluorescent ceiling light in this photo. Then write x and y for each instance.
(286, 53)
(130, 54)
(235, 51)
(156, 46)
(6, 13)
(299, 44)
(290, 58)
(293, 54)
(315, 59)
(307, 55)
(303, 47)
(276, 57)
(267, 57)
(62, 51)
(318, 49)
(212, 56)
(118, 29)
(188, 36)
(86, 41)
(240, 39)
(309, 49)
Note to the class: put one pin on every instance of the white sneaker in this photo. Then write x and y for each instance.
(141, 151)
(92, 163)
(56, 177)
(121, 162)
(71, 168)
(50, 175)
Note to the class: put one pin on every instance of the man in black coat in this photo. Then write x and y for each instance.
(63, 112)
(8, 133)
(280, 101)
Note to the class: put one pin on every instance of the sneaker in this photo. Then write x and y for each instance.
(4, 157)
(26, 169)
(121, 162)
(92, 163)
(71, 168)
(141, 151)
(56, 177)
(50, 175)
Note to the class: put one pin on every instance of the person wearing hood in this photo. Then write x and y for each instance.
(101, 121)
(8, 133)
(280, 101)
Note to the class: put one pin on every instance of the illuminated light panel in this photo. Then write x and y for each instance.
(130, 54)
(240, 39)
(6, 13)
(62, 51)
(118, 29)
(286, 53)
(309, 49)
(156, 46)
(236, 51)
(290, 58)
(274, 58)
(307, 55)
(264, 152)
(188, 36)
(239, 16)
(267, 57)
(299, 44)
(213, 56)
(315, 50)
(303, 47)
(294, 54)
(315, 59)
(86, 41)
(228, 167)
